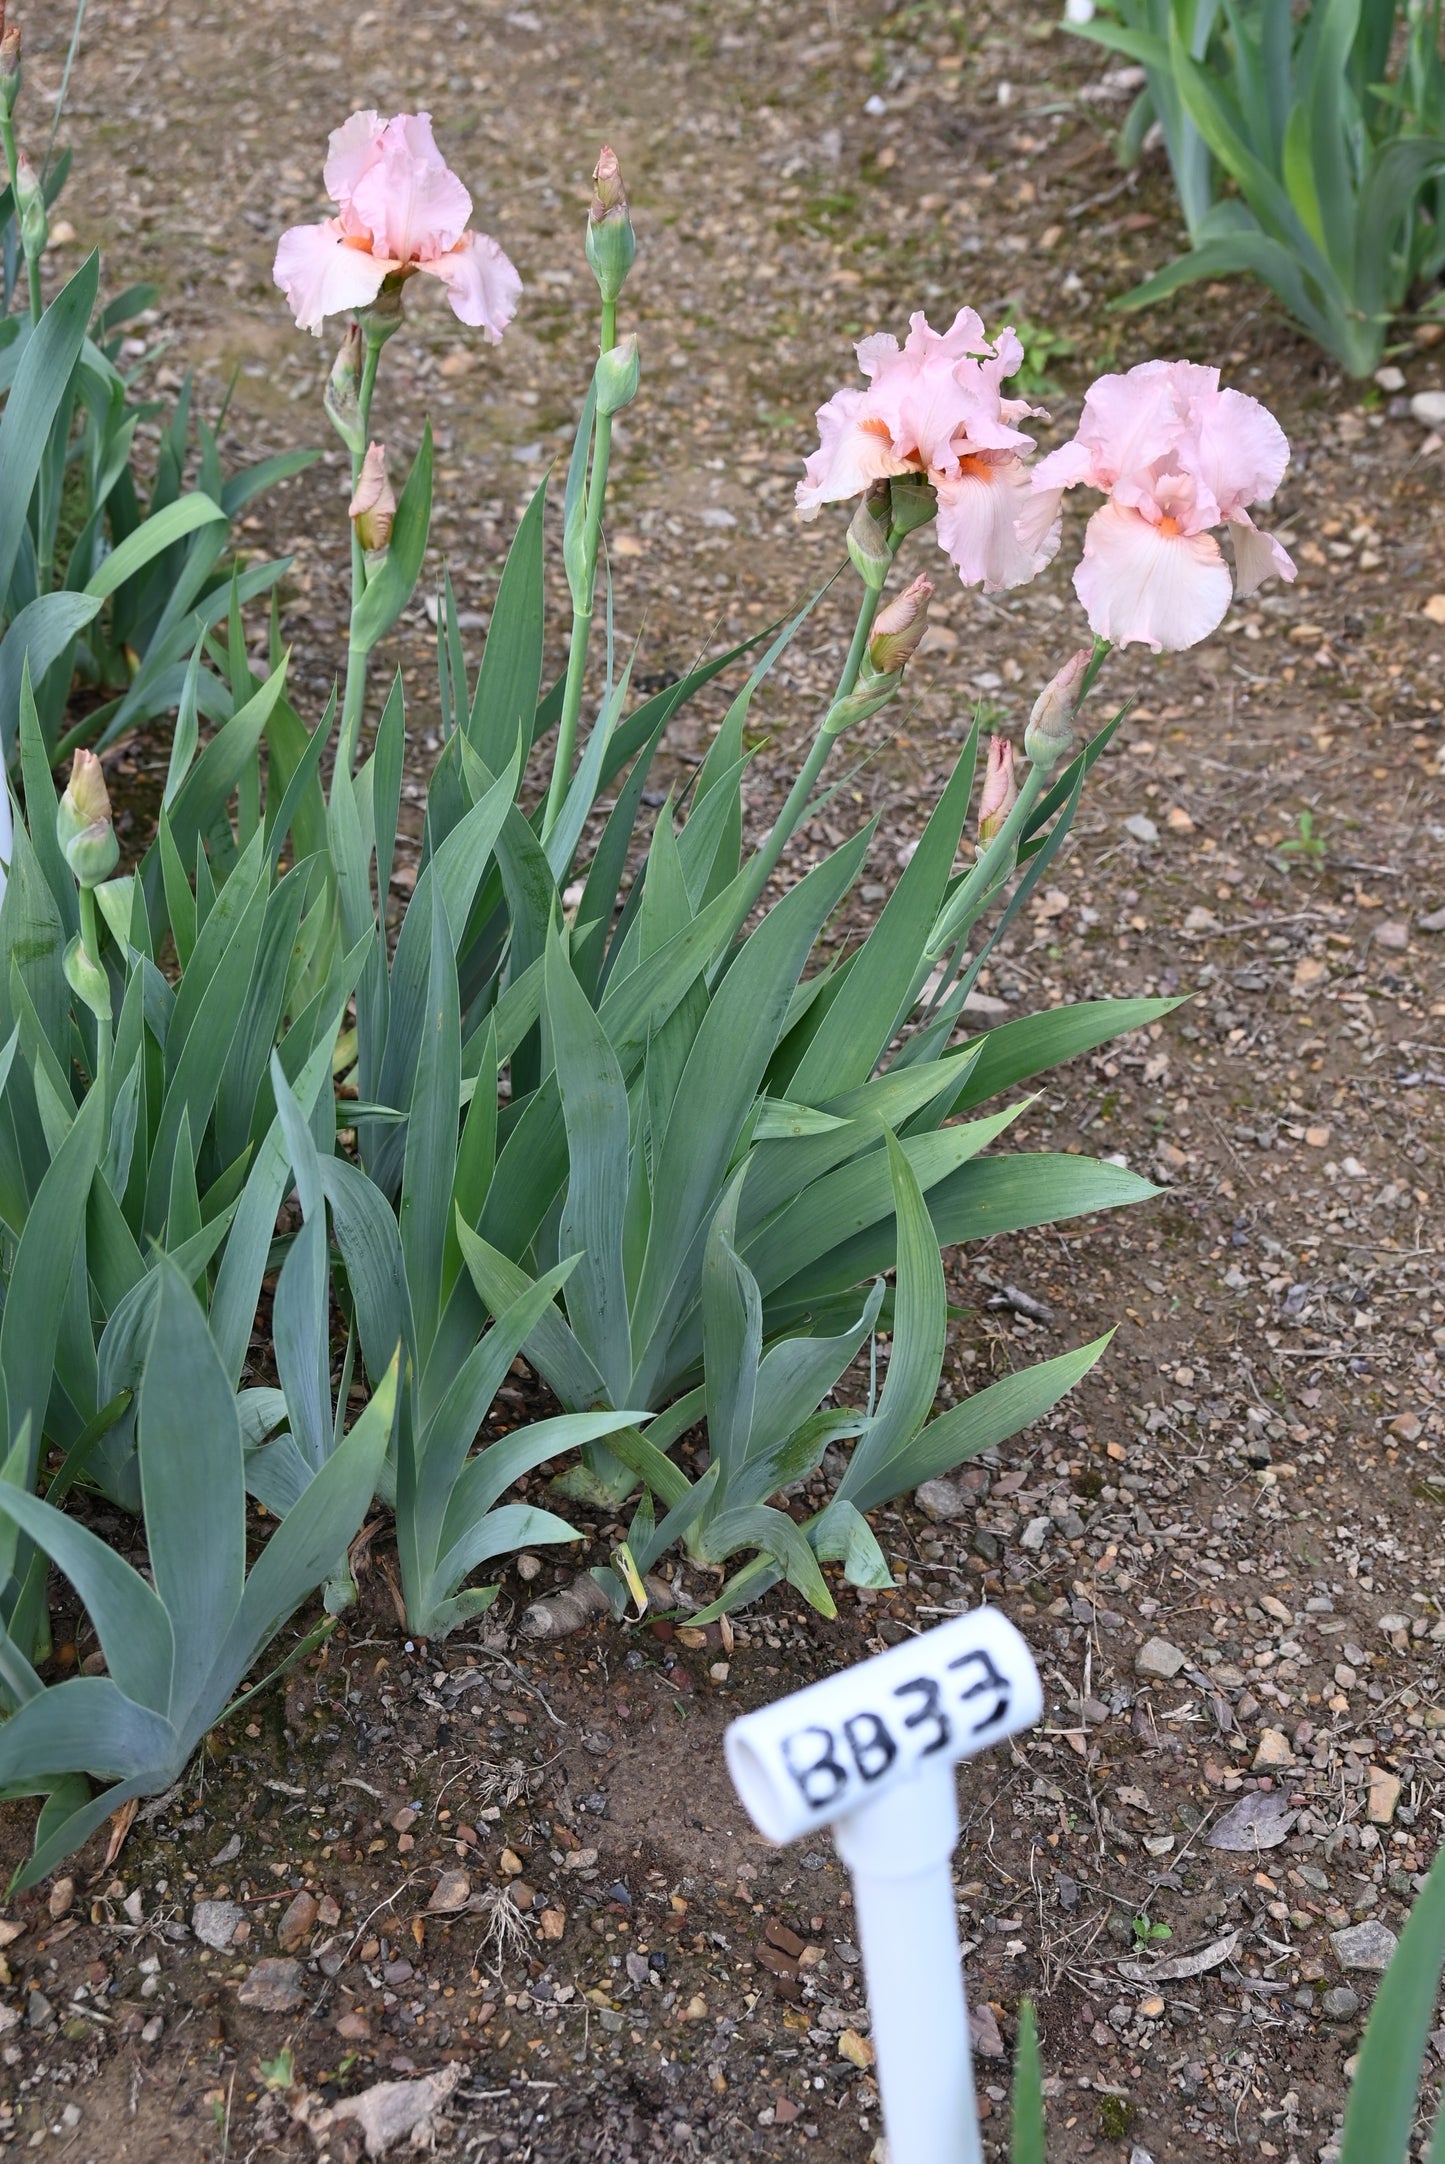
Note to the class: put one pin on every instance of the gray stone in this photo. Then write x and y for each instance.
(273, 1987)
(945, 1500)
(1369, 1945)
(38, 2011)
(1429, 407)
(215, 1922)
(1142, 828)
(1035, 1533)
(1157, 1658)
(1341, 2004)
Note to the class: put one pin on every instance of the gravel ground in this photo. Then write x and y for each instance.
(1225, 1548)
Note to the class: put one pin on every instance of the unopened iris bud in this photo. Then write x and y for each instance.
(373, 507)
(611, 242)
(1000, 789)
(30, 202)
(86, 977)
(1051, 724)
(343, 389)
(617, 375)
(83, 824)
(913, 503)
(9, 64)
(868, 538)
(898, 630)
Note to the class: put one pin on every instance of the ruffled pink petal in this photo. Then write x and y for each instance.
(411, 202)
(1257, 556)
(854, 448)
(1134, 422)
(482, 284)
(1141, 586)
(1073, 465)
(322, 276)
(1237, 448)
(351, 151)
(914, 391)
(876, 351)
(993, 526)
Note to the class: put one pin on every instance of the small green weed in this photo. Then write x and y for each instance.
(1150, 1934)
(1305, 846)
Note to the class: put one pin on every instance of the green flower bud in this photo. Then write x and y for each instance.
(83, 823)
(617, 375)
(913, 503)
(343, 403)
(868, 538)
(871, 693)
(30, 202)
(611, 242)
(87, 979)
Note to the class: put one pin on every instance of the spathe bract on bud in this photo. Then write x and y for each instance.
(898, 629)
(868, 537)
(618, 374)
(83, 824)
(611, 242)
(1051, 724)
(30, 202)
(1000, 788)
(343, 389)
(373, 506)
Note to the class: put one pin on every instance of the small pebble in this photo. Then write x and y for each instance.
(273, 1987)
(1369, 1945)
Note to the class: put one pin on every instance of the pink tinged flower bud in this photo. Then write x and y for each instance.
(1000, 789)
(611, 242)
(898, 629)
(83, 824)
(1051, 724)
(373, 507)
(9, 64)
(609, 192)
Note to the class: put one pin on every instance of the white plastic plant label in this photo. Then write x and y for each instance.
(847, 1741)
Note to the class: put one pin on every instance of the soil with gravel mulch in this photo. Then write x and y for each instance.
(520, 1871)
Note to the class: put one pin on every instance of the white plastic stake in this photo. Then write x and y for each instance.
(871, 1752)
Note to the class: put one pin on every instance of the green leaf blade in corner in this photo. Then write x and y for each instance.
(1385, 2093)
(1026, 2144)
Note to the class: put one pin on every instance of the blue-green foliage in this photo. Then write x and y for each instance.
(1307, 147)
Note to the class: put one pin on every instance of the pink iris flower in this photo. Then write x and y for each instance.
(1176, 456)
(400, 209)
(934, 407)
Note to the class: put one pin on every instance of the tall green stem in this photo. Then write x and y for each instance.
(765, 862)
(12, 168)
(354, 700)
(90, 941)
(582, 615)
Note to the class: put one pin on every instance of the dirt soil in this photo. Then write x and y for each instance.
(524, 1869)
